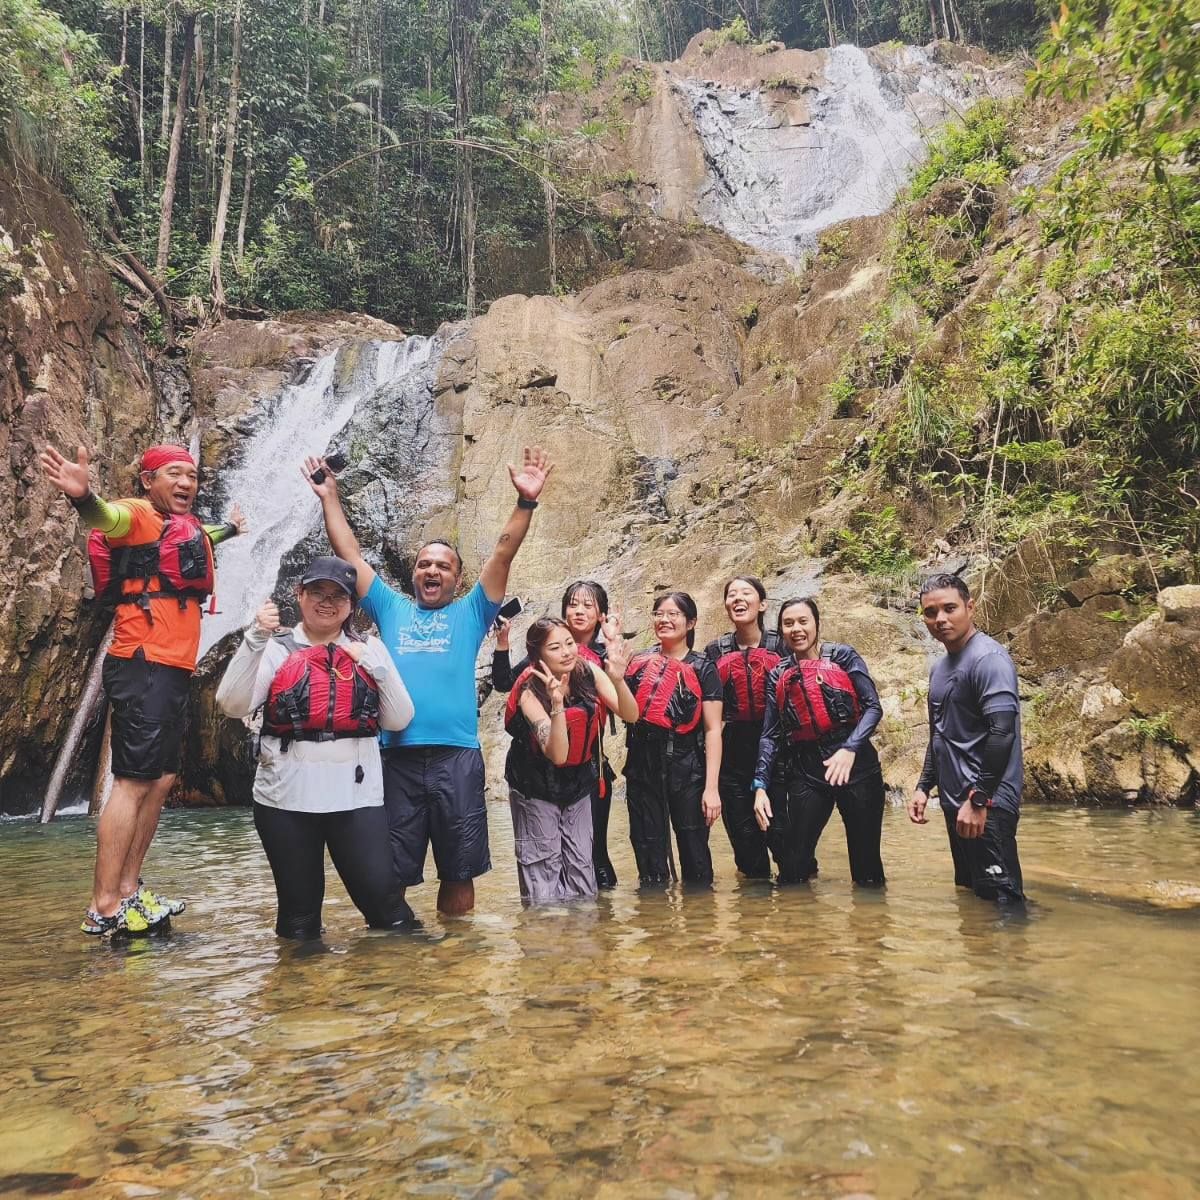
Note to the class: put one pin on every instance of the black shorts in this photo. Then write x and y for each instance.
(435, 794)
(149, 704)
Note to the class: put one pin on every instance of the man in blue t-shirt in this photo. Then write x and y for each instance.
(433, 769)
(974, 754)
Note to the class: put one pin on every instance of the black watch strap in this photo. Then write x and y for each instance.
(523, 503)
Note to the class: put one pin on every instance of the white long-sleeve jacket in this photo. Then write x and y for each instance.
(312, 776)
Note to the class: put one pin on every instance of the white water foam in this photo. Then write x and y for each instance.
(281, 509)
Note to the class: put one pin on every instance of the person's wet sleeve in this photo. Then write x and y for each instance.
(710, 682)
(997, 749)
(503, 675)
(238, 693)
(868, 700)
(113, 520)
(220, 533)
(995, 682)
(928, 780)
(395, 705)
(768, 742)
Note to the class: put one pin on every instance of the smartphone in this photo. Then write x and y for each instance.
(335, 462)
(508, 610)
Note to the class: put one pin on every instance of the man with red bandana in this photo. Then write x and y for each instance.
(161, 558)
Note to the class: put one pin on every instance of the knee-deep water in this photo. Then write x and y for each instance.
(815, 1041)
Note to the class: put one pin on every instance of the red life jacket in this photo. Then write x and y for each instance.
(816, 697)
(743, 675)
(181, 563)
(320, 694)
(583, 723)
(667, 690)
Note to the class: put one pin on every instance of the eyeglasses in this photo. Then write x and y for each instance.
(331, 599)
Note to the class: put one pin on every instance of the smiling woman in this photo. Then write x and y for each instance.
(325, 694)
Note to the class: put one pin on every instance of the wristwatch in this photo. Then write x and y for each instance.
(523, 503)
(979, 799)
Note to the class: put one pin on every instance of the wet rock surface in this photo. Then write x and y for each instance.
(71, 372)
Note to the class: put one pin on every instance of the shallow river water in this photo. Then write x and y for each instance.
(749, 1042)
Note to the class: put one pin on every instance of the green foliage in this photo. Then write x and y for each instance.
(833, 245)
(1140, 59)
(874, 544)
(636, 85)
(56, 100)
(736, 33)
(1158, 728)
(978, 149)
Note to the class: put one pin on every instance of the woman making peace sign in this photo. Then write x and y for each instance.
(554, 714)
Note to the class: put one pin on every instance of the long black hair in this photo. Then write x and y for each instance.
(757, 584)
(808, 603)
(581, 681)
(686, 605)
(599, 596)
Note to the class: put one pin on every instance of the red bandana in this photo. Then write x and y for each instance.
(159, 456)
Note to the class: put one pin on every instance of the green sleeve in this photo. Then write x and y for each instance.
(113, 520)
(219, 533)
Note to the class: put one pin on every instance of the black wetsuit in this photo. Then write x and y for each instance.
(744, 676)
(504, 675)
(801, 800)
(664, 784)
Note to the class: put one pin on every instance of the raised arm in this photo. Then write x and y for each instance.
(528, 481)
(341, 536)
(71, 478)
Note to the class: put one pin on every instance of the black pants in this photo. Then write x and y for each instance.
(802, 809)
(606, 875)
(664, 786)
(988, 864)
(358, 844)
(739, 757)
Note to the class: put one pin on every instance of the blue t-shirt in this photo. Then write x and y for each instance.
(434, 650)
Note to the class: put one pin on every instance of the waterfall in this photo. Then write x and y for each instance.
(281, 510)
(776, 185)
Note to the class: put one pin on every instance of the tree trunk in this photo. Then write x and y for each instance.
(181, 107)
(168, 40)
(463, 27)
(231, 112)
(307, 48)
(141, 128)
(247, 172)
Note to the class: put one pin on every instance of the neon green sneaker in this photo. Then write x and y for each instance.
(131, 918)
(152, 902)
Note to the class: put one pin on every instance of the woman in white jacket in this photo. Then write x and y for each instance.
(325, 694)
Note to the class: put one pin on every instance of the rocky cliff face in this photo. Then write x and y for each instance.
(71, 372)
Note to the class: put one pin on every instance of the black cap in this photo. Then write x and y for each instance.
(329, 568)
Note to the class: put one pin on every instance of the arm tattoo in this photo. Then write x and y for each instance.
(542, 732)
(505, 538)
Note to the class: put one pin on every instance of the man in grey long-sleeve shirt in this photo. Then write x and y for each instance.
(974, 753)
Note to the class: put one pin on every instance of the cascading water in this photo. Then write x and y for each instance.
(775, 185)
(280, 508)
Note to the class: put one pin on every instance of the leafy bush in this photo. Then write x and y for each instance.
(979, 150)
(736, 32)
